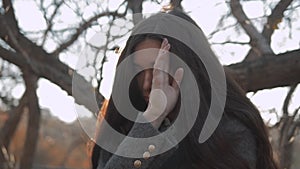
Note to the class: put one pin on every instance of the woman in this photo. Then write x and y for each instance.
(239, 138)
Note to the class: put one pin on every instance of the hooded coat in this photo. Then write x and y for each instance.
(149, 152)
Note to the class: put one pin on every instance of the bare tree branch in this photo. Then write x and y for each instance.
(295, 125)
(61, 77)
(104, 57)
(220, 29)
(288, 99)
(12, 40)
(230, 42)
(258, 42)
(287, 129)
(12, 57)
(9, 13)
(136, 6)
(50, 20)
(82, 28)
(273, 20)
(268, 72)
(44, 65)
(34, 116)
(286, 120)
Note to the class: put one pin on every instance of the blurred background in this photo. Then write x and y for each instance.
(55, 55)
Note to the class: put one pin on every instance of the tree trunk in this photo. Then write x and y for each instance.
(34, 116)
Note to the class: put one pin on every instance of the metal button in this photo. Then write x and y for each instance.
(137, 163)
(151, 148)
(146, 155)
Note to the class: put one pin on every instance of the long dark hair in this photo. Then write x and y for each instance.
(216, 152)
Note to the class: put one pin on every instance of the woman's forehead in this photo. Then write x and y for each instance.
(147, 43)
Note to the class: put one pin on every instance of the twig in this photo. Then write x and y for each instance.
(257, 40)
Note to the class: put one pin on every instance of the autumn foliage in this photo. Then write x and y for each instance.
(59, 144)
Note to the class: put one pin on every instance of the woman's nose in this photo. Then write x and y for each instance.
(147, 80)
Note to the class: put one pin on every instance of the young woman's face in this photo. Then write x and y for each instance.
(145, 59)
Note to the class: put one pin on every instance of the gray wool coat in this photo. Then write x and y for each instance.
(246, 148)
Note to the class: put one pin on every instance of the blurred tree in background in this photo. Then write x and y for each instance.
(63, 29)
